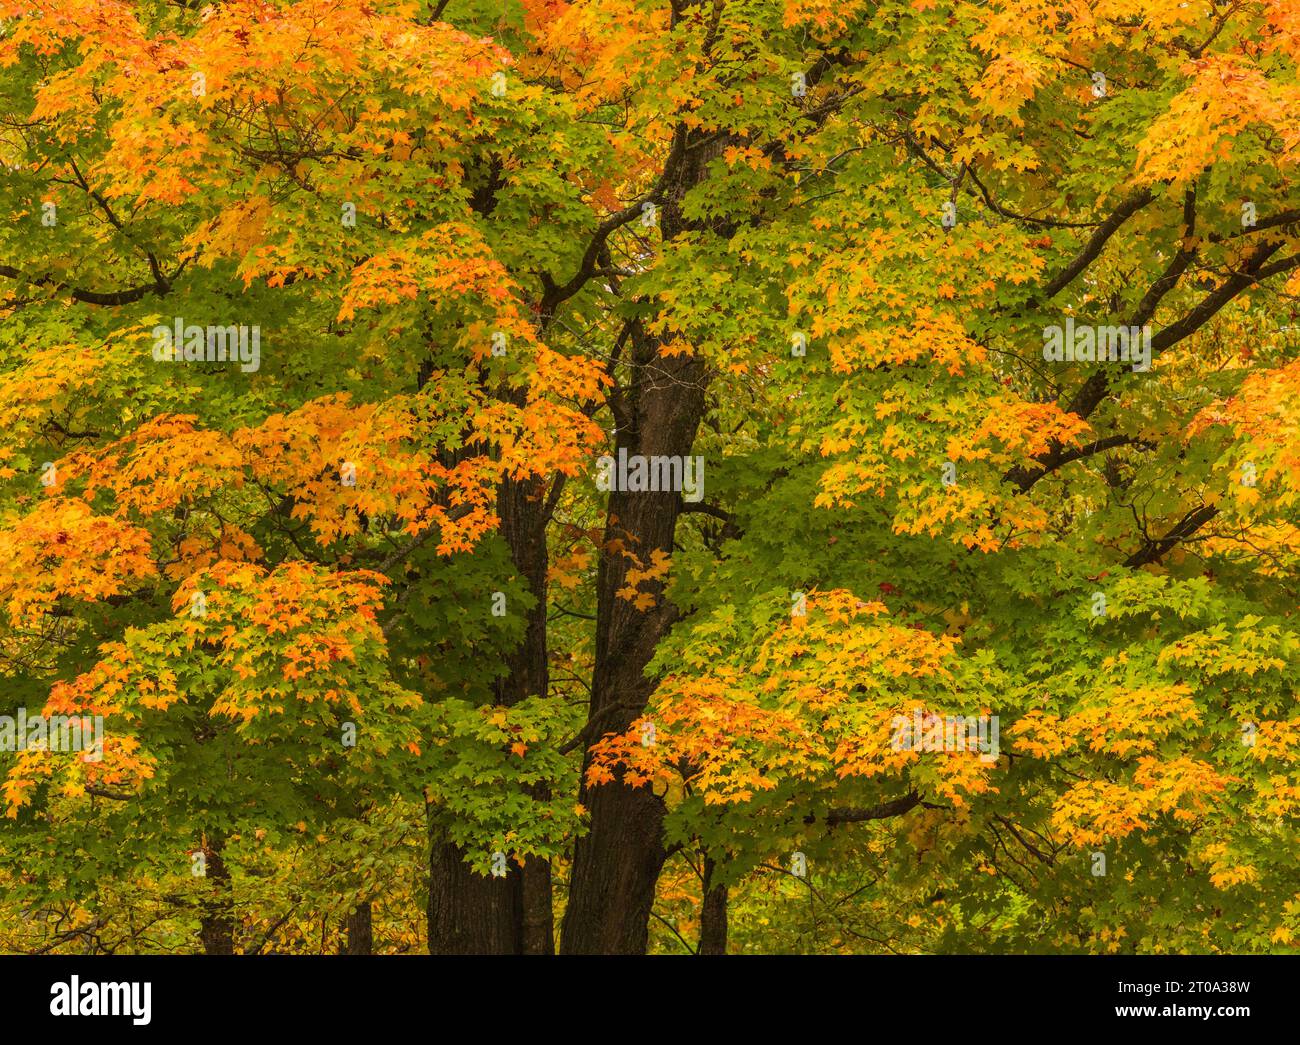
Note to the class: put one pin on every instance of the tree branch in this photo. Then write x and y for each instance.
(103, 792)
(555, 293)
(1061, 455)
(857, 815)
(1097, 242)
(89, 297)
(1155, 549)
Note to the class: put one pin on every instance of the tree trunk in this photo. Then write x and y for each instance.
(359, 930)
(470, 913)
(217, 923)
(617, 864)
(535, 906)
(525, 513)
(713, 913)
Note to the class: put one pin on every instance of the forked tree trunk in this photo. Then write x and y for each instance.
(616, 865)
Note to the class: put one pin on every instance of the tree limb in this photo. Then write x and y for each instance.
(1097, 242)
(858, 814)
(1154, 549)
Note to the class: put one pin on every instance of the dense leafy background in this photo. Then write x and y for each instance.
(816, 244)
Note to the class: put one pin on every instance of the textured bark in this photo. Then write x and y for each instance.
(522, 508)
(524, 518)
(359, 932)
(535, 907)
(470, 913)
(713, 914)
(217, 923)
(617, 864)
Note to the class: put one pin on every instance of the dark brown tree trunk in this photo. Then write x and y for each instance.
(359, 932)
(470, 913)
(713, 913)
(535, 904)
(217, 923)
(616, 865)
(525, 510)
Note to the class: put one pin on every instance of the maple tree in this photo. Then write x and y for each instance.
(321, 321)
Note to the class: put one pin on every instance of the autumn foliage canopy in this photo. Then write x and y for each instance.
(956, 345)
